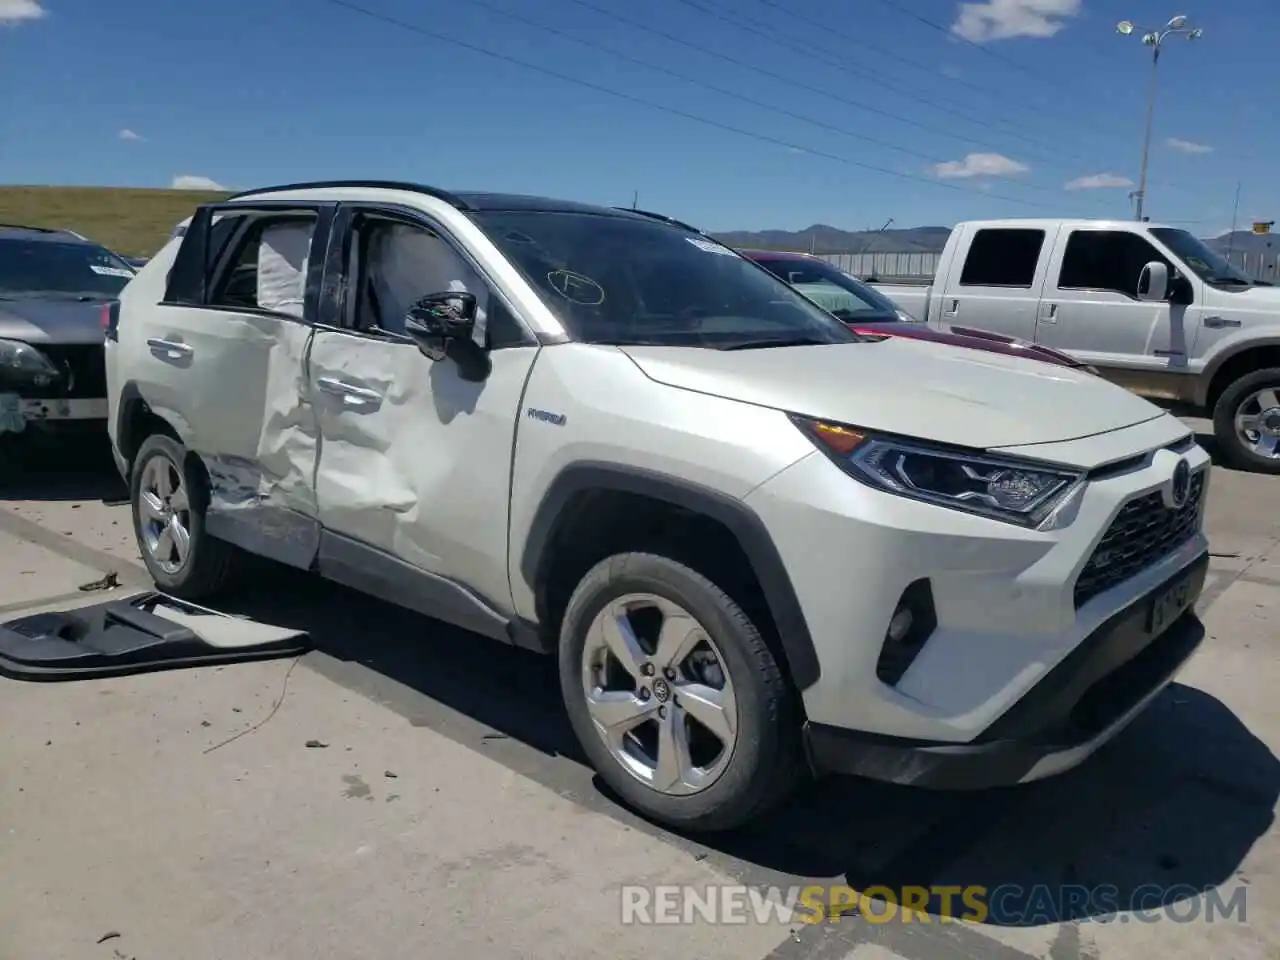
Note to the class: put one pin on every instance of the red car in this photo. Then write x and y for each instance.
(867, 311)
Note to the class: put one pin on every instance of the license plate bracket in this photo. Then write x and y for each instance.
(1169, 604)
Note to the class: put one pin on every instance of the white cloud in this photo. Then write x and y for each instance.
(1006, 19)
(1187, 146)
(979, 165)
(127, 134)
(13, 12)
(188, 181)
(1098, 181)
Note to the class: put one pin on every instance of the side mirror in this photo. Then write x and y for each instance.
(443, 325)
(1153, 282)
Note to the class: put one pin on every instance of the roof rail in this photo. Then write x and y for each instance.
(660, 216)
(25, 226)
(449, 198)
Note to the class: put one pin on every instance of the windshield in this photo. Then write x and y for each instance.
(1208, 266)
(35, 268)
(624, 280)
(841, 293)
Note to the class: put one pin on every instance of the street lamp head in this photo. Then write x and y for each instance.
(1178, 22)
(1124, 28)
(1151, 39)
(1195, 34)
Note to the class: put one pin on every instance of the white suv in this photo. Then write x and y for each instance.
(758, 543)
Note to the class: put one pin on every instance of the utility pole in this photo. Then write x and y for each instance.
(1177, 26)
(635, 199)
(1231, 241)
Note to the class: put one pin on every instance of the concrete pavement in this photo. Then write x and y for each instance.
(448, 809)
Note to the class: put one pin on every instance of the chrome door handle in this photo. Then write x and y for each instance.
(349, 392)
(951, 308)
(1050, 313)
(172, 349)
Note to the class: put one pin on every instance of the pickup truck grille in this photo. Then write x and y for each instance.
(1143, 531)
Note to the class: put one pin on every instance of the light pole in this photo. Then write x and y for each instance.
(1155, 40)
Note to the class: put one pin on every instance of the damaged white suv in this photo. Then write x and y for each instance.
(758, 543)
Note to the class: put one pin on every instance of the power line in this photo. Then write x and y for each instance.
(759, 104)
(798, 84)
(751, 101)
(456, 43)
(862, 42)
(841, 62)
(948, 32)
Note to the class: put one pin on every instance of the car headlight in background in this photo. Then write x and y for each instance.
(1015, 491)
(19, 357)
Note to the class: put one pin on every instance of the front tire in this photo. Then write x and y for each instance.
(1246, 422)
(169, 499)
(675, 696)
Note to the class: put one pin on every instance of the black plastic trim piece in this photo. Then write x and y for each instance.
(752, 536)
(452, 199)
(1110, 673)
(381, 575)
(116, 638)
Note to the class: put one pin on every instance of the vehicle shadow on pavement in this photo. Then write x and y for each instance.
(78, 469)
(1163, 814)
(1166, 812)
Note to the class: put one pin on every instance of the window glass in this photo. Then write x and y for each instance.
(1002, 258)
(1106, 260)
(54, 269)
(623, 279)
(269, 268)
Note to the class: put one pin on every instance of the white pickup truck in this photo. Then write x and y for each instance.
(1150, 306)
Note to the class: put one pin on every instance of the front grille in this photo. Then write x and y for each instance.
(1144, 531)
(83, 366)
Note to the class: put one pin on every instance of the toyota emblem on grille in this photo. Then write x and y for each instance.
(1180, 485)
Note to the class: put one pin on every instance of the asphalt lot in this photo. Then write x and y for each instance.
(448, 809)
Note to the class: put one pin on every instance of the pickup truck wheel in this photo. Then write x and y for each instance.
(674, 695)
(169, 501)
(1246, 422)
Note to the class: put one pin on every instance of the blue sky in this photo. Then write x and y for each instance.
(846, 113)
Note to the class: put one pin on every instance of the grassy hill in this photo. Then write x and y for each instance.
(133, 222)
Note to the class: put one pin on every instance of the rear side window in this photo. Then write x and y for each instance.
(1002, 258)
(267, 268)
(1106, 260)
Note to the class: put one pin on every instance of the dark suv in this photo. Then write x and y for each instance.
(57, 291)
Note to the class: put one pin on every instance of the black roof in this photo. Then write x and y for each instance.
(17, 231)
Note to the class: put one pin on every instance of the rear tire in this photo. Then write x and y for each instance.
(1246, 401)
(751, 714)
(169, 497)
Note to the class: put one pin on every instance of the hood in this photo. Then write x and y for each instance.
(1015, 346)
(909, 387)
(52, 321)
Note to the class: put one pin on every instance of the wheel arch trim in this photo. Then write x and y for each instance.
(741, 521)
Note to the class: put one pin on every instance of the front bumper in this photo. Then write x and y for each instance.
(1006, 611)
(1077, 707)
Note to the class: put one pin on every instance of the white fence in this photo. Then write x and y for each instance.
(903, 266)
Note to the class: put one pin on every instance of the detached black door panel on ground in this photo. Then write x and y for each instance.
(138, 634)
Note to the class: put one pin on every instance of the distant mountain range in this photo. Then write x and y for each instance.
(821, 238)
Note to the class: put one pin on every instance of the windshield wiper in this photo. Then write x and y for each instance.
(763, 344)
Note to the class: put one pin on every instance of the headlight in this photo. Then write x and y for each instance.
(24, 358)
(1001, 488)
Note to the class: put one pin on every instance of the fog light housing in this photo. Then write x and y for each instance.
(911, 625)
